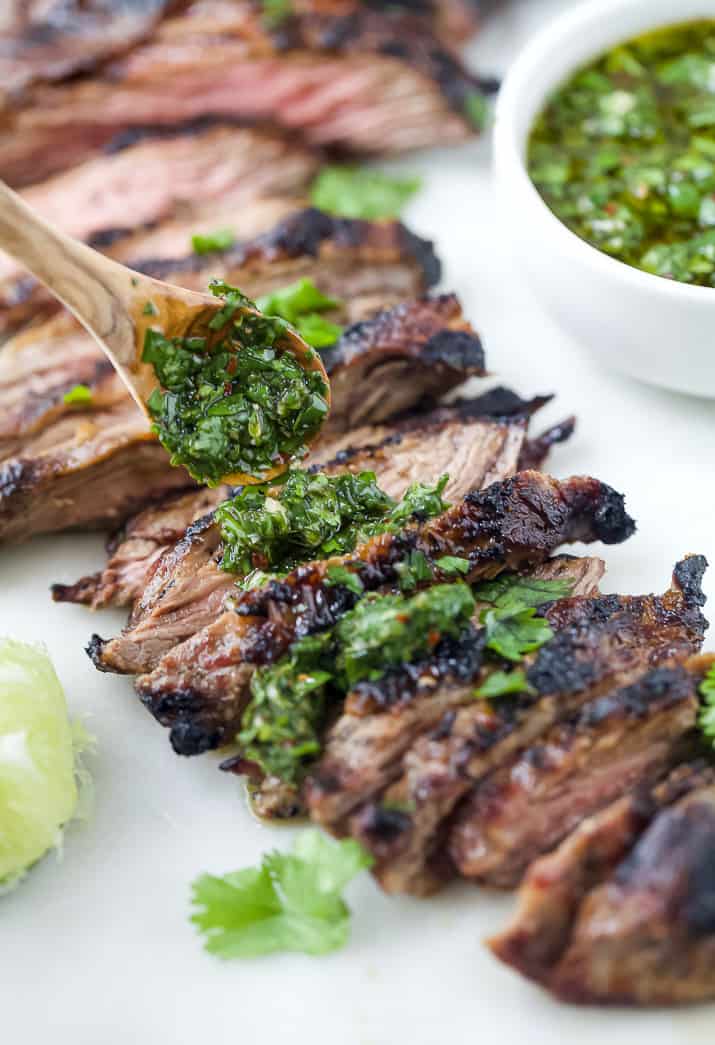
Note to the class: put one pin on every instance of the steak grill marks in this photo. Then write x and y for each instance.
(57, 462)
(200, 687)
(600, 644)
(369, 82)
(478, 451)
(369, 265)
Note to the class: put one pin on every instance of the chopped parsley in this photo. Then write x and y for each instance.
(283, 722)
(150, 309)
(314, 517)
(450, 565)
(502, 683)
(361, 192)
(292, 902)
(706, 718)
(80, 395)
(300, 304)
(239, 405)
(476, 108)
(510, 619)
(624, 153)
(208, 242)
(275, 12)
(413, 571)
(341, 575)
(290, 699)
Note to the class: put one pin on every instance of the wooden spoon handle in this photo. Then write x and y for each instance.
(94, 288)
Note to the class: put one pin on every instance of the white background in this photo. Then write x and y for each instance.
(98, 950)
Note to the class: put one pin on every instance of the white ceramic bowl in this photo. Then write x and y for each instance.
(643, 325)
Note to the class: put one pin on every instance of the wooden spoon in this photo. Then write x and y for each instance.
(117, 305)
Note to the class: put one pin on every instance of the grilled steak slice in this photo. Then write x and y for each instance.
(599, 644)
(583, 763)
(556, 885)
(91, 470)
(199, 688)
(374, 366)
(535, 451)
(369, 265)
(193, 171)
(145, 538)
(187, 590)
(370, 83)
(45, 40)
(139, 546)
(39, 423)
(364, 749)
(647, 935)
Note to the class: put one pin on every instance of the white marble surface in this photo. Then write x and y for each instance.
(98, 951)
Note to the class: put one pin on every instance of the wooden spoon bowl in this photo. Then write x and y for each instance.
(117, 306)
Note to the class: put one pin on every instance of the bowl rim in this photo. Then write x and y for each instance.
(508, 142)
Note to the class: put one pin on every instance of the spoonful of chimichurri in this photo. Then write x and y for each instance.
(234, 395)
(624, 153)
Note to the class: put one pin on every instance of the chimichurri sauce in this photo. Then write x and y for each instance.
(240, 405)
(624, 153)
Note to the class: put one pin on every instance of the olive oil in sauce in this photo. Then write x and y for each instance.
(624, 153)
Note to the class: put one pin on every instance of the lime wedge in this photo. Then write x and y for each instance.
(38, 779)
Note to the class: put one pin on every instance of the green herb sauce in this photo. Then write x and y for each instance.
(240, 405)
(284, 719)
(624, 153)
(290, 700)
(271, 530)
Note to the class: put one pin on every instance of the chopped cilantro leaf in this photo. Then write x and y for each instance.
(292, 902)
(420, 501)
(511, 593)
(289, 701)
(208, 242)
(275, 12)
(501, 683)
(513, 635)
(80, 395)
(452, 565)
(360, 192)
(318, 331)
(512, 626)
(476, 109)
(300, 304)
(706, 718)
(413, 571)
(342, 575)
(150, 309)
(296, 300)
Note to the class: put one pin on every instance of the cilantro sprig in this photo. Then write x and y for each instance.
(292, 902)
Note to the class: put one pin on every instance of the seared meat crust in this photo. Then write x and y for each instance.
(199, 688)
(556, 885)
(583, 763)
(371, 81)
(368, 265)
(599, 644)
(51, 452)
